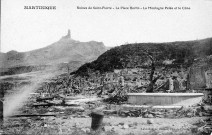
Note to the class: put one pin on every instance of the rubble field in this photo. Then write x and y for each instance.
(71, 115)
(55, 107)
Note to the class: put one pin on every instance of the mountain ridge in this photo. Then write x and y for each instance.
(64, 50)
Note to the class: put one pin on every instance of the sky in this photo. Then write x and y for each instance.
(24, 30)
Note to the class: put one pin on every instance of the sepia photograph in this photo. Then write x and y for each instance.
(106, 67)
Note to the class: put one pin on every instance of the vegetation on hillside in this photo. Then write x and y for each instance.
(135, 55)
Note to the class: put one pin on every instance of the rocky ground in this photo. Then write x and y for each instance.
(111, 125)
(59, 113)
(74, 118)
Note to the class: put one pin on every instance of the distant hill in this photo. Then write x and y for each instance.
(66, 50)
(133, 55)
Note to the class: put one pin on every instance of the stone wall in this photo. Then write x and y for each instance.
(196, 79)
(200, 77)
(208, 75)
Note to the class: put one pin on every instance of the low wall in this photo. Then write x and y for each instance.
(184, 99)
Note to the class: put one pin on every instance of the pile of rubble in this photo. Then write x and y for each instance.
(164, 113)
(60, 105)
(203, 126)
(199, 110)
(81, 105)
(117, 97)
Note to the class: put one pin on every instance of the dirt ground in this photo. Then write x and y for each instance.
(111, 125)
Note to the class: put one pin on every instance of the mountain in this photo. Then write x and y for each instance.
(182, 53)
(66, 50)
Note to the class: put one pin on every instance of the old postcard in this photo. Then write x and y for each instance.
(106, 67)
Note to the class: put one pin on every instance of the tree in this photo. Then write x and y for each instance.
(152, 80)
